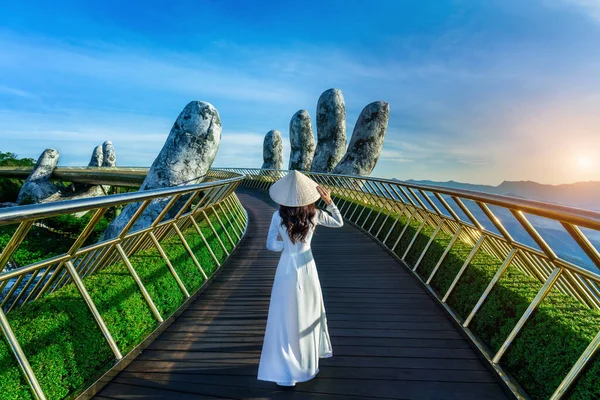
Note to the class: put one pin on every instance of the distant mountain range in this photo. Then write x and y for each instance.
(581, 194)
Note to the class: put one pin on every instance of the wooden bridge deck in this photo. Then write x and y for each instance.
(391, 340)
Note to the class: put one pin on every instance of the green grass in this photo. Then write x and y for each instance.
(551, 341)
(60, 337)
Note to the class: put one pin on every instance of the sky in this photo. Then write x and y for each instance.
(479, 91)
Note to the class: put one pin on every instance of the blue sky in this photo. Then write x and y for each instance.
(479, 91)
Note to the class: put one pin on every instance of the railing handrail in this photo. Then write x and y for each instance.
(11, 215)
(578, 216)
(118, 176)
(134, 175)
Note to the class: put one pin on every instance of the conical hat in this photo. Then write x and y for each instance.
(294, 190)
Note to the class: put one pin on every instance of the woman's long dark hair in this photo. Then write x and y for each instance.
(297, 220)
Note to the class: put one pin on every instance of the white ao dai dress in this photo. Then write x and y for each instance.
(296, 335)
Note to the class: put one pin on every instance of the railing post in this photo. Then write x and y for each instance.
(358, 204)
(584, 358)
(55, 275)
(356, 199)
(431, 239)
(391, 202)
(400, 215)
(81, 238)
(444, 254)
(14, 242)
(543, 292)
(371, 208)
(229, 220)
(169, 265)
(214, 210)
(240, 210)
(234, 218)
(214, 231)
(90, 303)
(384, 204)
(347, 201)
(12, 291)
(189, 250)
(418, 231)
(464, 267)
(210, 250)
(404, 229)
(490, 286)
(23, 290)
(237, 214)
(20, 356)
(138, 281)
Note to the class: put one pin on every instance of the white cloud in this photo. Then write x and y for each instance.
(393, 155)
(590, 7)
(244, 149)
(15, 92)
(444, 110)
(172, 72)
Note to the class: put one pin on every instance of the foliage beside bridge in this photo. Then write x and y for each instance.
(61, 338)
(9, 188)
(50, 237)
(553, 338)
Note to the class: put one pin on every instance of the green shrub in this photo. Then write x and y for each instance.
(50, 237)
(60, 337)
(9, 188)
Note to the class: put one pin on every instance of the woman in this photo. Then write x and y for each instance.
(296, 335)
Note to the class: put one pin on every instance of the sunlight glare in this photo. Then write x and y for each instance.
(584, 163)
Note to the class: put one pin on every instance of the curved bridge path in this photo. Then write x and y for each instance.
(391, 340)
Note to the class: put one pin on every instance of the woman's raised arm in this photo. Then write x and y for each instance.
(334, 220)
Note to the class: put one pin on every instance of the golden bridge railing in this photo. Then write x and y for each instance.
(361, 199)
(443, 210)
(185, 208)
(117, 176)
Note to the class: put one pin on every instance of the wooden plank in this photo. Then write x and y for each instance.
(198, 349)
(410, 374)
(247, 387)
(228, 390)
(242, 318)
(219, 360)
(129, 390)
(242, 324)
(221, 340)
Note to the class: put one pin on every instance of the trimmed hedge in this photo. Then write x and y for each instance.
(551, 341)
(61, 339)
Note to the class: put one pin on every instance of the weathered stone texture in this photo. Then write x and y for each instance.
(109, 156)
(273, 150)
(97, 157)
(185, 159)
(366, 142)
(302, 140)
(38, 187)
(331, 131)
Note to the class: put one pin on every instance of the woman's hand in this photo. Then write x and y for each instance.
(325, 196)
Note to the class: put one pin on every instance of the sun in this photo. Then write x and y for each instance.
(584, 163)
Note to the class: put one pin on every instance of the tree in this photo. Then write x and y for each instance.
(9, 159)
(9, 188)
